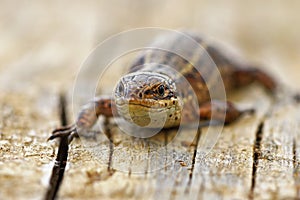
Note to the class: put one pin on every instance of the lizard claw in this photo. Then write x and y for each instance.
(63, 131)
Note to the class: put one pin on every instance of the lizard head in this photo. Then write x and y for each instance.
(148, 99)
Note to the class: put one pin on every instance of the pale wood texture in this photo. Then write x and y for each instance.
(42, 47)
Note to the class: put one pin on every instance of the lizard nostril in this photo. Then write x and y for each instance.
(147, 92)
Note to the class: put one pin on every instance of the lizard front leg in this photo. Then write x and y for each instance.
(221, 111)
(87, 117)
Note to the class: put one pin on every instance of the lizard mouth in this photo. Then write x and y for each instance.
(146, 104)
(147, 112)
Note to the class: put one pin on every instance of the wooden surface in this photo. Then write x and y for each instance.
(254, 158)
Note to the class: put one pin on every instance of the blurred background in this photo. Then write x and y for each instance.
(44, 42)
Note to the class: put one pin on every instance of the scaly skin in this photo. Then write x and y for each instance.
(153, 95)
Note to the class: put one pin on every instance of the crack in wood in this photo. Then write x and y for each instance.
(131, 159)
(166, 150)
(62, 155)
(296, 170)
(186, 191)
(148, 159)
(256, 156)
(173, 192)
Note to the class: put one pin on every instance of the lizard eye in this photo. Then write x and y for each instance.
(161, 90)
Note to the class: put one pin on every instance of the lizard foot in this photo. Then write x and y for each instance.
(63, 131)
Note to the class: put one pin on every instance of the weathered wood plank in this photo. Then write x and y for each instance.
(274, 178)
(24, 152)
(39, 59)
(226, 172)
(296, 149)
(139, 166)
